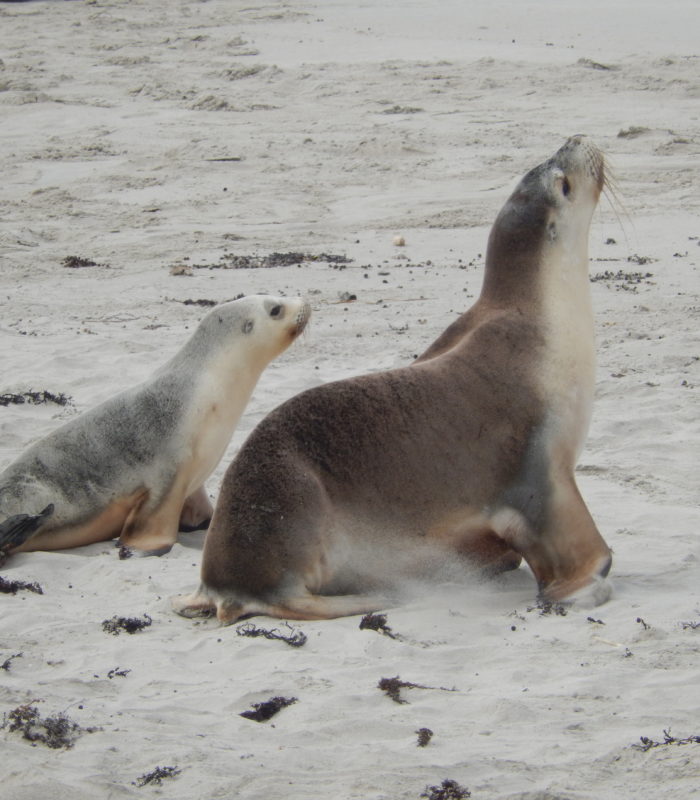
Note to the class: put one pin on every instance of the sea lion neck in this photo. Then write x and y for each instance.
(513, 265)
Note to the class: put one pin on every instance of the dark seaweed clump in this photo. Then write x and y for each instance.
(424, 736)
(128, 624)
(77, 262)
(294, 639)
(34, 397)
(118, 673)
(645, 743)
(261, 712)
(625, 280)
(203, 302)
(124, 551)
(55, 732)
(393, 686)
(255, 261)
(377, 622)
(156, 776)
(282, 260)
(448, 790)
(548, 607)
(7, 663)
(12, 587)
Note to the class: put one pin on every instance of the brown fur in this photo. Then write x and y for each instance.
(463, 450)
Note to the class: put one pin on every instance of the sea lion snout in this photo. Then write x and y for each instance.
(302, 318)
(580, 155)
(295, 313)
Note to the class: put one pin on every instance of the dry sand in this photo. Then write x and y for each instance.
(149, 134)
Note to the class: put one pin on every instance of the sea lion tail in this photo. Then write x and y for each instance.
(15, 530)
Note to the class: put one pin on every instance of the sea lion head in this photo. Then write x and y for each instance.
(261, 324)
(548, 215)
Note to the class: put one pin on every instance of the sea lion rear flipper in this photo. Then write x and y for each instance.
(306, 606)
(315, 606)
(17, 529)
(197, 604)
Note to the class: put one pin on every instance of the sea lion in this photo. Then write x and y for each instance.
(472, 447)
(135, 465)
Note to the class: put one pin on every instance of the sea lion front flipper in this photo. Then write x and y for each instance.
(15, 530)
(567, 554)
(580, 557)
(152, 531)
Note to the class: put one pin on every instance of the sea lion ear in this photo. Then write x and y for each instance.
(248, 326)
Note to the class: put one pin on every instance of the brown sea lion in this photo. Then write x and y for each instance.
(471, 448)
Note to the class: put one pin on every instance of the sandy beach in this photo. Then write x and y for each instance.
(156, 157)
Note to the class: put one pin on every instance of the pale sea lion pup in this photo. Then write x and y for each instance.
(134, 466)
(471, 447)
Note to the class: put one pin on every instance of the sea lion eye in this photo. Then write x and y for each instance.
(275, 311)
(566, 187)
(248, 326)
